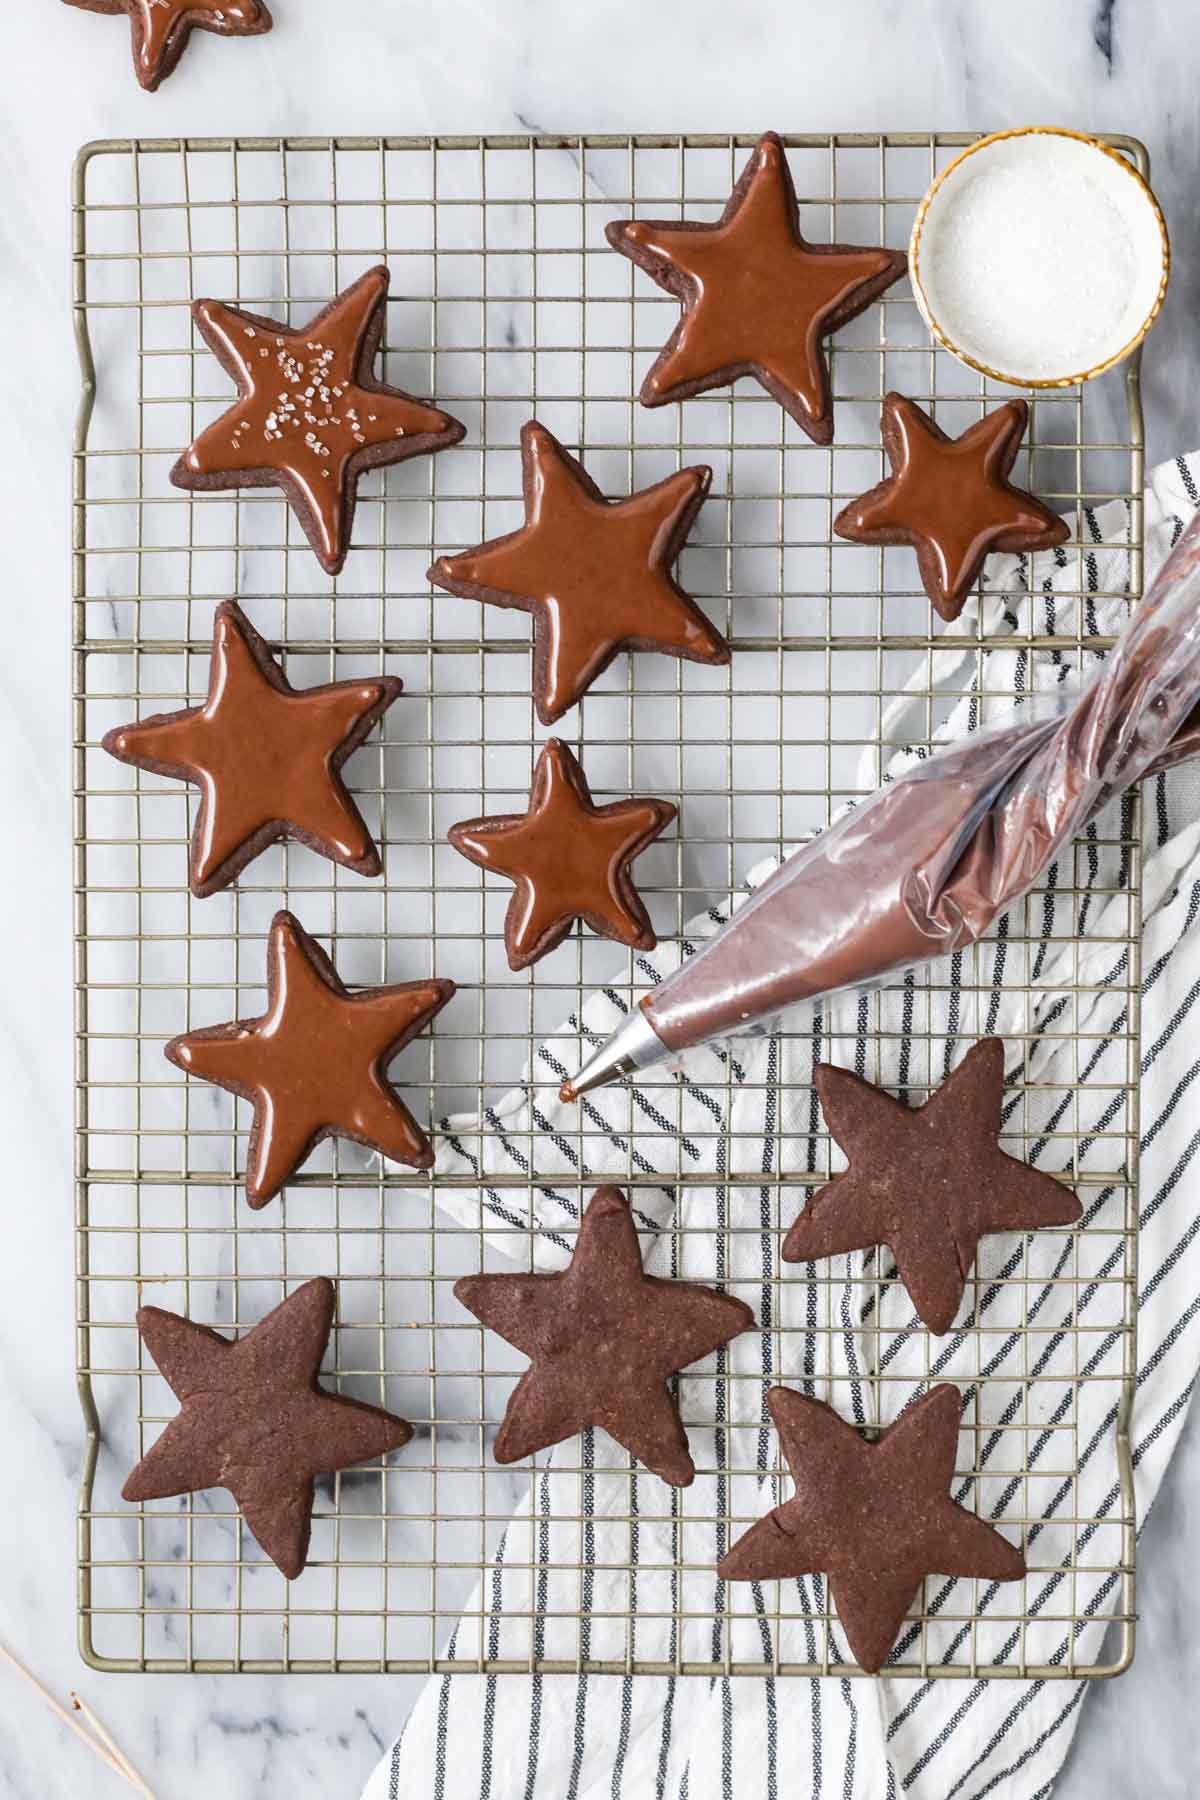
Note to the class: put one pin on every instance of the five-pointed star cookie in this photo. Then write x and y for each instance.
(876, 1518)
(927, 1182)
(266, 757)
(951, 499)
(594, 573)
(757, 298)
(569, 859)
(604, 1339)
(160, 28)
(314, 1063)
(255, 1419)
(310, 417)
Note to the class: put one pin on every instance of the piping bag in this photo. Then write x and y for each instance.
(926, 865)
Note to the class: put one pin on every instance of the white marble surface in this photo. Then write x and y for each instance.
(466, 66)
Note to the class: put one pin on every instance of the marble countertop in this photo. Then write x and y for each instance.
(465, 67)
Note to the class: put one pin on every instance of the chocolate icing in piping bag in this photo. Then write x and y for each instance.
(929, 862)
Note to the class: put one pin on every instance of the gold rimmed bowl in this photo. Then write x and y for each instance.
(1039, 257)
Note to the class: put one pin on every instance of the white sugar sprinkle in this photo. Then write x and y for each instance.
(1032, 265)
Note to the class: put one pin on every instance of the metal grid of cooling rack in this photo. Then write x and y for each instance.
(506, 301)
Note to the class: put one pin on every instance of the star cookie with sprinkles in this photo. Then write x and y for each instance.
(758, 299)
(951, 498)
(569, 858)
(928, 1181)
(594, 573)
(604, 1339)
(310, 417)
(255, 1420)
(314, 1064)
(160, 29)
(266, 756)
(876, 1518)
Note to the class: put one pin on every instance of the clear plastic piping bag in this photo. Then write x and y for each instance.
(926, 865)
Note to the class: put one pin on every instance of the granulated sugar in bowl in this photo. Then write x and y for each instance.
(1039, 257)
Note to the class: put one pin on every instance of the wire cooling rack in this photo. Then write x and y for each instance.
(506, 301)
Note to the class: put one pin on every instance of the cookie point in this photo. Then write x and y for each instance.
(607, 1200)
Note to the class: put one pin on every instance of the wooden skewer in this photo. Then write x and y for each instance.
(106, 1738)
(96, 1745)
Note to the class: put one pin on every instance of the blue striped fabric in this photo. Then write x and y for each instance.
(702, 1738)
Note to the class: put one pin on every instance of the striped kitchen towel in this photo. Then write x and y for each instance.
(700, 1738)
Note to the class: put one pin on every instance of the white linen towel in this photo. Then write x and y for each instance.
(579, 1737)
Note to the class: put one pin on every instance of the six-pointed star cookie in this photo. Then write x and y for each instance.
(594, 573)
(927, 1182)
(876, 1518)
(266, 757)
(604, 1339)
(310, 417)
(757, 298)
(314, 1063)
(255, 1419)
(569, 859)
(951, 499)
(160, 28)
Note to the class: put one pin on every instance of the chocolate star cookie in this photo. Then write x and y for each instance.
(594, 573)
(314, 1063)
(928, 1182)
(757, 298)
(604, 1339)
(877, 1518)
(266, 757)
(160, 29)
(310, 417)
(256, 1420)
(951, 499)
(569, 859)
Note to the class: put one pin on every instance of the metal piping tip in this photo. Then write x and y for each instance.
(634, 1045)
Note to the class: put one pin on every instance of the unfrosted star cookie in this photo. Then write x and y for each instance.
(928, 1182)
(604, 1339)
(255, 1419)
(876, 1518)
(310, 417)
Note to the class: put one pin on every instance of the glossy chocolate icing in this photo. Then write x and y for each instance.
(927, 1181)
(310, 417)
(569, 859)
(929, 862)
(951, 498)
(265, 756)
(875, 1517)
(594, 573)
(757, 298)
(604, 1339)
(314, 1063)
(160, 28)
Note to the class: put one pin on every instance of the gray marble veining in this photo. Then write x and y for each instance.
(620, 65)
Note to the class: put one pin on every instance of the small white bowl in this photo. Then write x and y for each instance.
(1039, 257)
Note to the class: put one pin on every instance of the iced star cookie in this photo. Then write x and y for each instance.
(310, 417)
